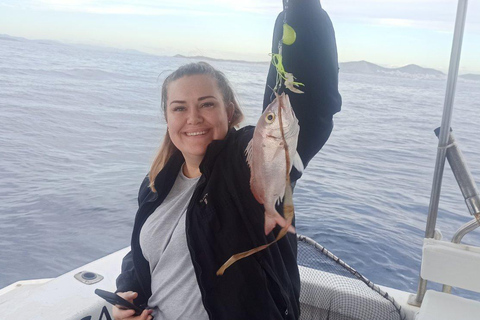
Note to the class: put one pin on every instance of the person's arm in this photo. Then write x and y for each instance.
(127, 280)
(313, 60)
(128, 288)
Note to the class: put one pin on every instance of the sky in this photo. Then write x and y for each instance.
(390, 33)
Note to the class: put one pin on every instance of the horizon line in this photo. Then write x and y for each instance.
(178, 55)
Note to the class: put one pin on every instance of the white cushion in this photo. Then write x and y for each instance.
(443, 306)
(452, 264)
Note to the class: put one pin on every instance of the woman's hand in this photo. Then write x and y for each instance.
(128, 314)
(271, 222)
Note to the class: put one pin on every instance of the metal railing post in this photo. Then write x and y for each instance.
(444, 134)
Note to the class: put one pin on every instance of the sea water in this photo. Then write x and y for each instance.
(80, 125)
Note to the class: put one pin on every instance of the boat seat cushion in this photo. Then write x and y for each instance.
(443, 306)
(453, 264)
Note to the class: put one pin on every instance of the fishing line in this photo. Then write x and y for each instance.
(278, 57)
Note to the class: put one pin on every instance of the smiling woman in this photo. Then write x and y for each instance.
(196, 206)
(196, 90)
(199, 107)
(197, 112)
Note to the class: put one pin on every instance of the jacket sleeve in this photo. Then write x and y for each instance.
(127, 280)
(313, 60)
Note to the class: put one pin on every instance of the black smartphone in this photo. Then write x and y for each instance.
(118, 301)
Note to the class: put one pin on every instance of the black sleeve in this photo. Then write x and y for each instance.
(127, 281)
(144, 190)
(313, 60)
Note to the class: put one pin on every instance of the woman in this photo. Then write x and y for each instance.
(195, 206)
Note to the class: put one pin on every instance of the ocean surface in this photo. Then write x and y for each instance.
(80, 125)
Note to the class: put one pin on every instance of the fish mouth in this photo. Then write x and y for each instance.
(288, 111)
(286, 106)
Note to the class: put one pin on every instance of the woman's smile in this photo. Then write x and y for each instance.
(196, 133)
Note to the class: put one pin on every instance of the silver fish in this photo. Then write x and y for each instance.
(269, 154)
(267, 160)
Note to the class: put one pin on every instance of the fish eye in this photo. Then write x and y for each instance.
(270, 117)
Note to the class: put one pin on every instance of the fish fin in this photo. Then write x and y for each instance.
(249, 152)
(298, 163)
(279, 200)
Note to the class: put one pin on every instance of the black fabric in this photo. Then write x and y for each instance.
(223, 217)
(313, 60)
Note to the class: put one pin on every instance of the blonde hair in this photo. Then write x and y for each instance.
(167, 149)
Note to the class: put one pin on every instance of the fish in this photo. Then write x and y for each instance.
(270, 155)
(266, 157)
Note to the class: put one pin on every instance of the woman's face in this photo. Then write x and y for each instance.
(196, 115)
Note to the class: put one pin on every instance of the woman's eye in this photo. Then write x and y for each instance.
(207, 104)
(179, 108)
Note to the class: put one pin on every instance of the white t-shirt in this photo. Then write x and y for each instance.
(175, 291)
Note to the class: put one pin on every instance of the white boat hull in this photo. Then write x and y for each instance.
(66, 298)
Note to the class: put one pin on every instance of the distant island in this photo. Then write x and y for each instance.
(355, 67)
(365, 67)
(470, 76)
(411, 70)
(215, 59)
(371, 68)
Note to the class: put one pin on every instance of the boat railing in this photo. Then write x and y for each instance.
(468, 188)
(444, 135)
(470, 193)
(462, 175)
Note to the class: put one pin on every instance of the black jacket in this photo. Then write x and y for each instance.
(223, 217)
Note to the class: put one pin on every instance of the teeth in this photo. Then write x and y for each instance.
(195, 133)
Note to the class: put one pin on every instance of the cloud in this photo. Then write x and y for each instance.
(436, 15)
(396, 22)
(159, 7)
(253, 6)
(112, 7)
